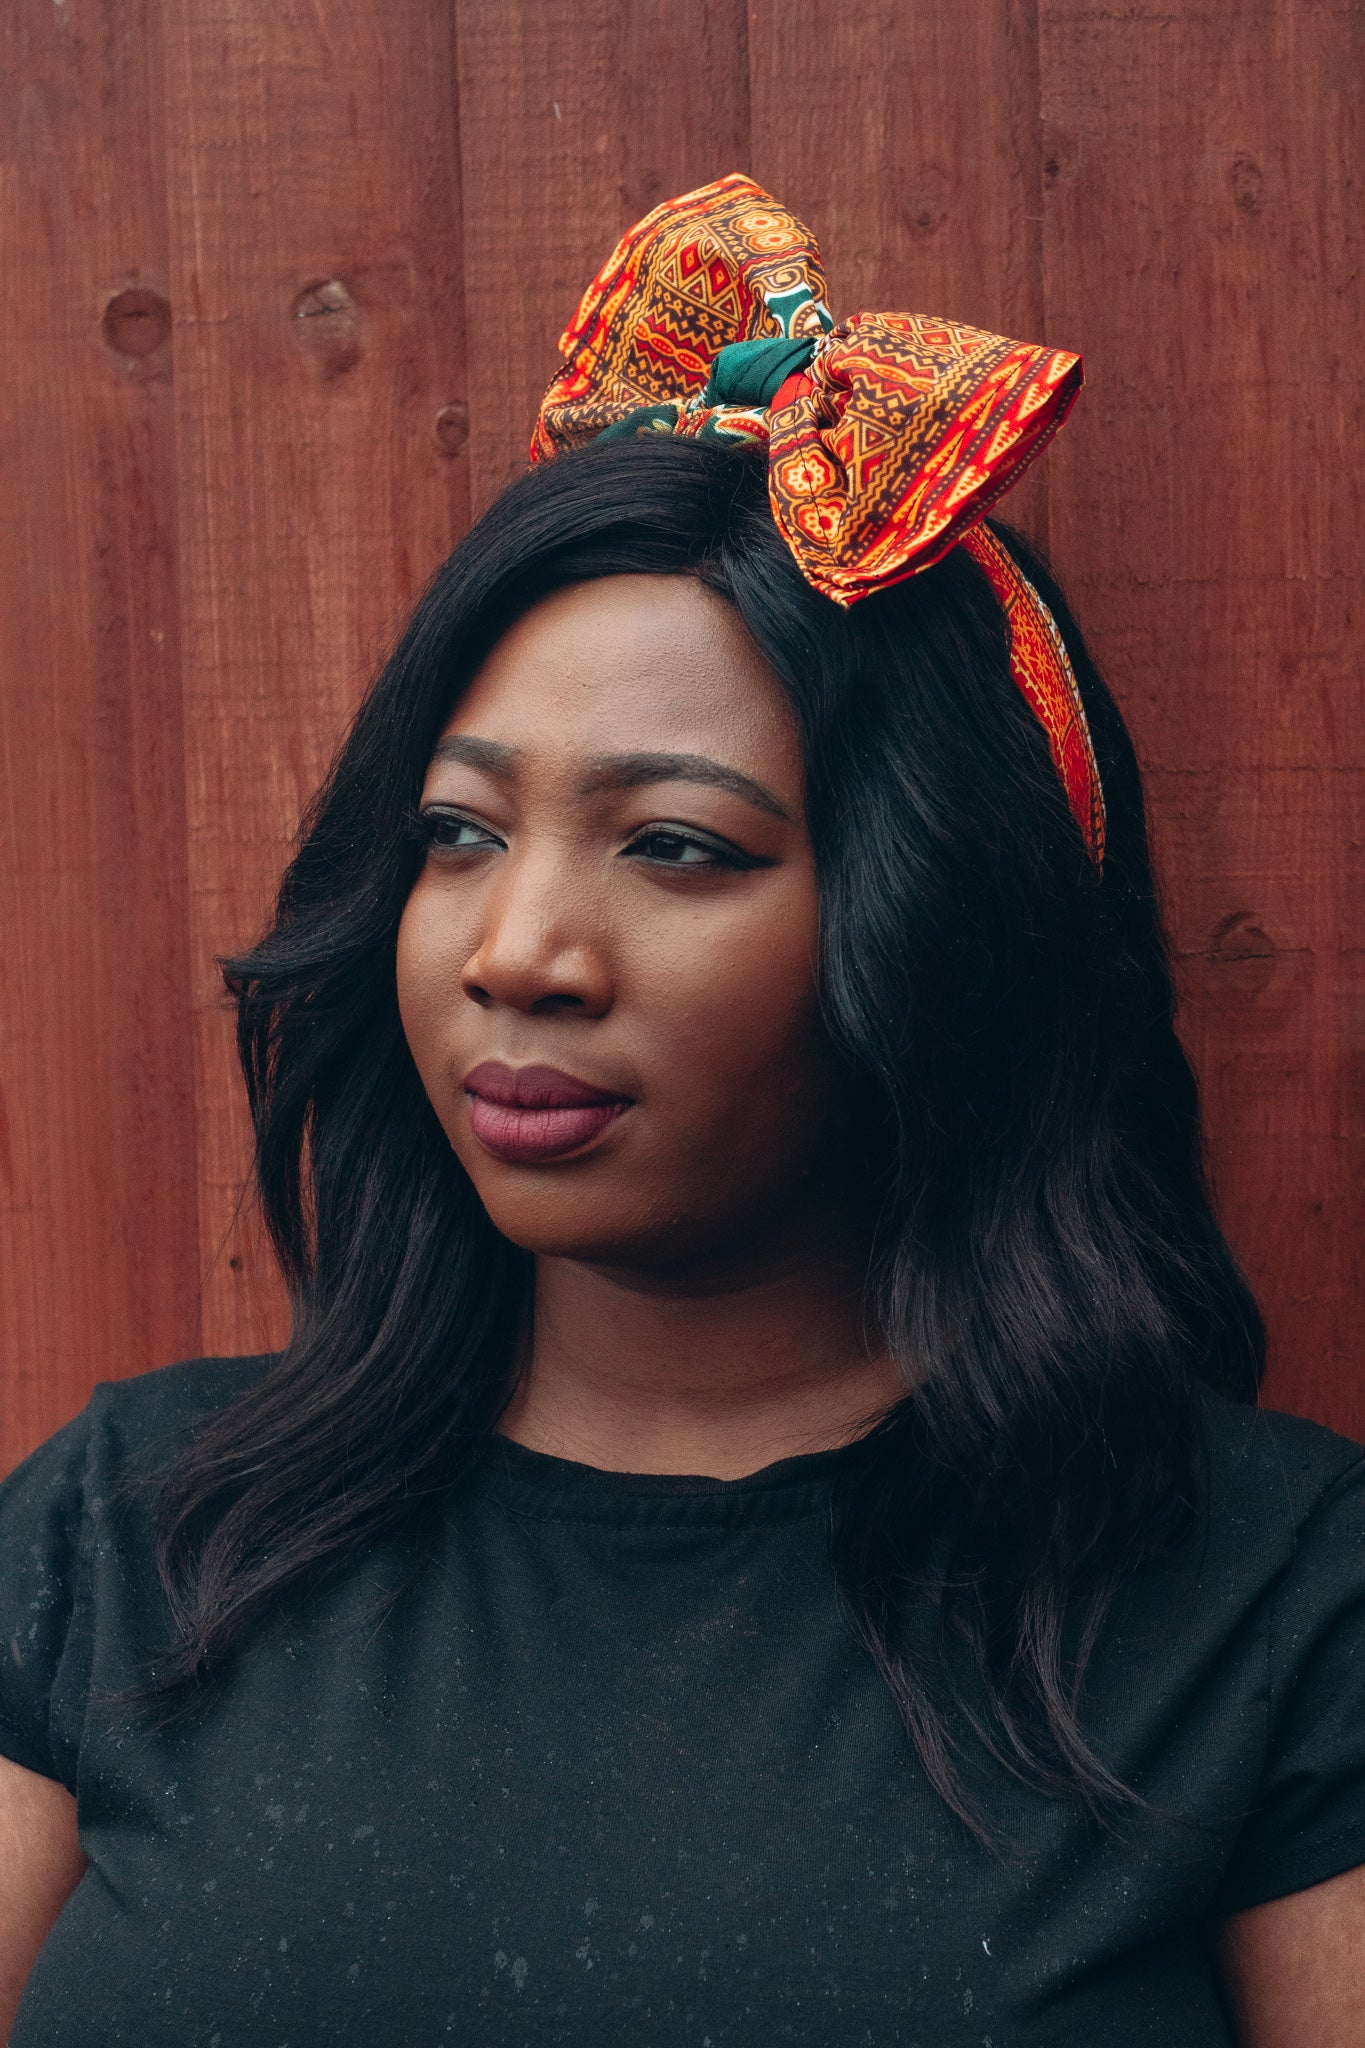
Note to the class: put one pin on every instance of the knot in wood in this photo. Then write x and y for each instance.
(136, 323)
(451, 427)
(327, 325)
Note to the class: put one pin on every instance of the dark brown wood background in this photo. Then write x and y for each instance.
(281, 290)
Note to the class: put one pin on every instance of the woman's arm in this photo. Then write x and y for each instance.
(40, 1866)
(1295, 1967)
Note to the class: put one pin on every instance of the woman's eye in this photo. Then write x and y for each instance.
(447, 832)
(680, 850)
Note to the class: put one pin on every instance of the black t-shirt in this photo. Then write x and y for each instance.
(613, 1773)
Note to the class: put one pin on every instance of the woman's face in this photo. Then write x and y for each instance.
(606, 968)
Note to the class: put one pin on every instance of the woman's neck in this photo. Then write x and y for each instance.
(718, 1367)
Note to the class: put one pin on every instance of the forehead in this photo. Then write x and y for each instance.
(633, 662)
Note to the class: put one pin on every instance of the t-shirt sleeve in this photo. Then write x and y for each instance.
(1309, 1822)
(41, 1521)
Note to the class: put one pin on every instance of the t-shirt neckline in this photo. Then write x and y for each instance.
(562, 1489)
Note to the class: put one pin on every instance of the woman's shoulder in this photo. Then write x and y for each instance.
(1261, 1635)
(1274, 1471)
(1278, 1545)
(60, 1539)
(1253, 1442)
(127, 1428)
(144, 1410)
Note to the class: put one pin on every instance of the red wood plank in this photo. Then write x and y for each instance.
(576, 117)
(1203, 249)
(1169, 191)
(907, 138)
(1274, 983)
(316, 273)
(97, 1127)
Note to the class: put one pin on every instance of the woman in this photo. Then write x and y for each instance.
(761, 1531)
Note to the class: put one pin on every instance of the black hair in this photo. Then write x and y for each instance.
(1046, 1253)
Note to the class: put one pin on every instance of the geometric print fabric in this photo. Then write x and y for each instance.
(885, 449)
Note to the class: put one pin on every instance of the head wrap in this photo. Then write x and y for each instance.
(888, 436)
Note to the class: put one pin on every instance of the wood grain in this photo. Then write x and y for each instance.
(97, 1114)
(575, 120)
(241, 421)
(1203, 248)
(316, 267)
(907, 138)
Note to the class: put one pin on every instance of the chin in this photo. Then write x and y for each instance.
(596, 1243)
(560, 1221)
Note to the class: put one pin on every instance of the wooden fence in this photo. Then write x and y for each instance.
(282, 288)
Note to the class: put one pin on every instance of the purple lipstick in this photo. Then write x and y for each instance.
(525, 1114)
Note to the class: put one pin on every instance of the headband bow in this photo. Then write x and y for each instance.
(888, 437)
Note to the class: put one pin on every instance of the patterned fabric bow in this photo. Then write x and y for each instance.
(888, 436)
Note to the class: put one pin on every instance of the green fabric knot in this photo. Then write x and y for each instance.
(752, 372)
(646, 419)
(747, 373)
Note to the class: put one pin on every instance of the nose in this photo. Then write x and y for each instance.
(540, 948)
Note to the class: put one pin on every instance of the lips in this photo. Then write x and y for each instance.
(521, 1114)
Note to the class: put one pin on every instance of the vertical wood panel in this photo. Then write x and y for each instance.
(576, 117)
(97, 1132)
(316, 264)
(1203, 168)
(197, 577)
(907, 138)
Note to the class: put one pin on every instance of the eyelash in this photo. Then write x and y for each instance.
(719, 855)
(426, 825)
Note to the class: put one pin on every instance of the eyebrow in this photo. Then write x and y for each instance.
(490, 755)
(634, 771)
(620, 771)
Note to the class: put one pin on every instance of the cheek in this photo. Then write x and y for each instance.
(740, 1000)
(735, 1023)
(428, 961)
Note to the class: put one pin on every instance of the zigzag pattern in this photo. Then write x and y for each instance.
(700, 269)
(883, 453)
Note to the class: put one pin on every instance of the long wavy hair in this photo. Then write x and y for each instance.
(1046, 1255)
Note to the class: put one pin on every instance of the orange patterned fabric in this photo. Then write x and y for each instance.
(888, 440)
(1042, 668)
(725, 263)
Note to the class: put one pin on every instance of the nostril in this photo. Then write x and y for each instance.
(547, 1005)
